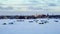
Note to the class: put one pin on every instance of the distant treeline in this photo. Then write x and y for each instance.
(29, 17)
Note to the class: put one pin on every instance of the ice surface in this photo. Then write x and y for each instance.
(23, 26)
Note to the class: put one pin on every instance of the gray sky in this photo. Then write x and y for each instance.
(39, 6)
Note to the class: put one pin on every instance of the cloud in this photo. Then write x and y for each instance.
(52, 4)
(39, 4)
(6, 8)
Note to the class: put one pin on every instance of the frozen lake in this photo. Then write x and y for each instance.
(29, 26)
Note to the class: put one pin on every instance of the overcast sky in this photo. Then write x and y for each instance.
(30, 5)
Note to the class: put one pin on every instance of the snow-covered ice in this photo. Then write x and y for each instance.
(24, 26)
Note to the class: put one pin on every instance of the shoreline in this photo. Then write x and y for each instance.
(29, 17)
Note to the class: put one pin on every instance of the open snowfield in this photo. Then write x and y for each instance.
(29, 26)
